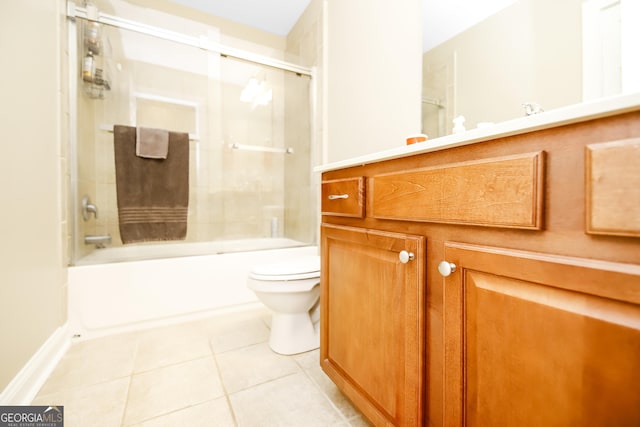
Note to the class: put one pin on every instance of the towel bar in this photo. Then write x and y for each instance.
(109, 128)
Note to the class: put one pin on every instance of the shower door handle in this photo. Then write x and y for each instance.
(338, 196)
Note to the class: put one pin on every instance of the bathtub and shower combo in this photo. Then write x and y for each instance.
(252, 196)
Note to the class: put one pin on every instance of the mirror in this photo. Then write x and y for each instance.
(546, 52)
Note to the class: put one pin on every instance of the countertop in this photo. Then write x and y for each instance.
(561, 116)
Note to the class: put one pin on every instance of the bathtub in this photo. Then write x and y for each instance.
(107, 294)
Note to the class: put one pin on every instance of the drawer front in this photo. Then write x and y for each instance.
(343, 197)
(613, 188)
(498, 192)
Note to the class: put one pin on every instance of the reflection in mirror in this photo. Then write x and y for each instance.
(545, 52)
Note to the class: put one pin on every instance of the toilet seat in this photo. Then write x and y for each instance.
(295, 269)
(300, 274)
(283, 286)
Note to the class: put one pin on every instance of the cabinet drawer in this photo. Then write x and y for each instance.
(613, 188)
(496, 192)
(343, 197)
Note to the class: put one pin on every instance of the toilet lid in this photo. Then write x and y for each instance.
(292, 269)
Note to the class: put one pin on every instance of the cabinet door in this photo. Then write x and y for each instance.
(372, 328)
(540, 340)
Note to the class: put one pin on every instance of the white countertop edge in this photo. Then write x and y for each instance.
(571, 114)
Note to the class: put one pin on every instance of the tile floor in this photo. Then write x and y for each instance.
(217, 371)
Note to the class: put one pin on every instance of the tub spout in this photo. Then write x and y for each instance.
(99, 241)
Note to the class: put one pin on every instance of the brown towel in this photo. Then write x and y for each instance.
(152, 143)
(153, 194)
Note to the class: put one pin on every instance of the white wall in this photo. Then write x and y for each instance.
(32, 276)
(373, 75)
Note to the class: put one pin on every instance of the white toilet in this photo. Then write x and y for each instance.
(291, 289)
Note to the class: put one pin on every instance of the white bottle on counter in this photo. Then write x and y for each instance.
(458, 124)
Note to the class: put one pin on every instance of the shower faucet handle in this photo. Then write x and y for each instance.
(88, 208)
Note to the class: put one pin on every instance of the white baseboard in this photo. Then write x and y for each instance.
(25, 385)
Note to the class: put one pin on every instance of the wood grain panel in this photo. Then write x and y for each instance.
(613, 188)
(372, 324)
(497, 192)
(353, 205)
(540, 350)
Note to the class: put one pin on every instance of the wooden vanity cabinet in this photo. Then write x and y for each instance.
(372, 322)
(521, 306)
(540, 340)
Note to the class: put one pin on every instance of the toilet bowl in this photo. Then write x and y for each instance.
(291, 290)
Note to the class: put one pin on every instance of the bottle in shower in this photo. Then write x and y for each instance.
(92, 37)
(88, 67)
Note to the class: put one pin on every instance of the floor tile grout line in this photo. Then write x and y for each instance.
(224, 388)
(165, 414)
(240, 348)
(133, 366)
(326, 396)
(78, 386)
(302, 364)
(168, 365)
(70, 353)
(126, 403)
(210, 356)
(263, 383)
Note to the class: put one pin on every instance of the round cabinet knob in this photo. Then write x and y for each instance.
(405, 256)
(446, 268)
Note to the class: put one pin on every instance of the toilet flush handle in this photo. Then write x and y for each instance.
(405, 256)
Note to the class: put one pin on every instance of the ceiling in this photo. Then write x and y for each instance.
(442, 19)
(274, 16)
